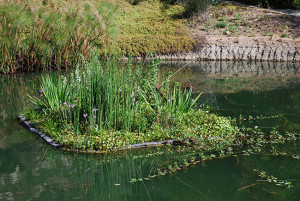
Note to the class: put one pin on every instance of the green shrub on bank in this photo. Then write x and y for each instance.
(103, 107)
(221, 24)
(195, 6)
(52, 34)
(150, 26)
(47, 36)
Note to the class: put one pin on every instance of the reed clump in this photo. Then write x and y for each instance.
(105, 107)
(48, 35)
(52, 34)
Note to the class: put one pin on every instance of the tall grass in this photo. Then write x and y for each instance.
(47, 35)
(104, 96)
(51, 34)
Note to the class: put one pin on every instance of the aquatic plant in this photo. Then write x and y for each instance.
(271, 179)
(103, 106)
(256, 142)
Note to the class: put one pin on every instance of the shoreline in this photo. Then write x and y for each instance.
(238, 53)
(233, 52)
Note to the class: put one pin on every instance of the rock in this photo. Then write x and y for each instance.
(226, 32)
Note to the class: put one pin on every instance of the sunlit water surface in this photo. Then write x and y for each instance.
(29, 170)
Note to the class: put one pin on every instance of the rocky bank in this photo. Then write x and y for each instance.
(238, 52)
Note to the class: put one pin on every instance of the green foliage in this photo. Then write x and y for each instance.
(52, 34)
(102, 106)
(221, 24)
(135, 2)
(123, 93)
(189, 156)
(48, 36)
(271, 179)
(296, 4)
(149, 26)
(195, 6)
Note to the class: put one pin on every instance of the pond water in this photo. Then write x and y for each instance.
(29, 170)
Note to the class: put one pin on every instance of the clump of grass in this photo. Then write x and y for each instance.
(284, 35)
(194, 7)
(48, 36)
(149, 26)
(266, 33)
(221, 24)
(232, 28)
(101, 106)
(52, 34)
(265, 17)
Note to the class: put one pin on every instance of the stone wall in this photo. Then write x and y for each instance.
(220, 69)
(236, 52)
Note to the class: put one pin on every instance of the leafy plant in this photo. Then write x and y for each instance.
(232, 28)
(48, 37)
(111, 106)
(193, 7)
(221, 24)
(271, 179)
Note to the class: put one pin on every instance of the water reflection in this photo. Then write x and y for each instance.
(72, 177)
(224, 69)
(225, 76)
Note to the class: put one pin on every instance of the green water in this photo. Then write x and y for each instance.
(29, 170)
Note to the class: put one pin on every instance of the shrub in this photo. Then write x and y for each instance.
(221, 24)
(195, 6)
(135, 2)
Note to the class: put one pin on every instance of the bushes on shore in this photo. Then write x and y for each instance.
(48, 35)
(52, 34)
